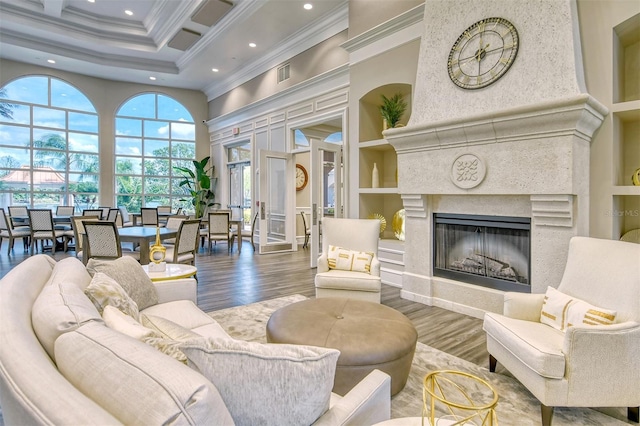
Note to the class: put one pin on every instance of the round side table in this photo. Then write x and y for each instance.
(465, 397)
(174, 271)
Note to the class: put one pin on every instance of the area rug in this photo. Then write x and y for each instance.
(516, 406)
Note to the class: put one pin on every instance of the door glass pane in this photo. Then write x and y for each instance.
(276, 204)
(329, 183)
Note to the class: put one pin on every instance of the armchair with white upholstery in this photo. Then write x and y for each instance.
(578, 365)
(355, 235)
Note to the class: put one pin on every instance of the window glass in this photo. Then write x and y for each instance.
(63, 95)
(155, 134)
(29, 90)
(83, 122)
(14, 135)
(49, 117)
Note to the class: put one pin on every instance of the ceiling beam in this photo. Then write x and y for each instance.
(53, 7)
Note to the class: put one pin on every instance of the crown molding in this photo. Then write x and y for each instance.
(335, 21)
(331, 80)
(83, 26)
(88, 55)
(385, 29)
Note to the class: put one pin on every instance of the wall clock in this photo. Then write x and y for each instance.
(483, 53)
(301, 177)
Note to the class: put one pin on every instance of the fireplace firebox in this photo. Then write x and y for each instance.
(490, 251)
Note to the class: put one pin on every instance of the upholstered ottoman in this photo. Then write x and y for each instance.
(368, 335)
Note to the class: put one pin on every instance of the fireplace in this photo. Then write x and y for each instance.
(490, 251)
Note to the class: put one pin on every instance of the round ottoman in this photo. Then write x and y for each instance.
(368, 335)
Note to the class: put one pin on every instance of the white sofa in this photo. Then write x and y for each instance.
(35, 387)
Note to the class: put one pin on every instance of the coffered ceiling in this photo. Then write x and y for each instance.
(177, 42)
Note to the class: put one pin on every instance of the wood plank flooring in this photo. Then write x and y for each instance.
(226, 280)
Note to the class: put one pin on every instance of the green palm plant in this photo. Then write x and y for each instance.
(199, 183)
(392, 108)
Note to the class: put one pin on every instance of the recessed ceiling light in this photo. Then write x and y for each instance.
(308, 6)
(128, 12)
(215, 69)
(51, 61)
(252, 45)
(91, 1)
(152, 78)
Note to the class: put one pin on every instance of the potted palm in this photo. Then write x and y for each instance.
(392, 109)
(199, 183)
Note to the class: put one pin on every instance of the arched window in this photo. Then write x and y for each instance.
(154, 134)
(48, 144)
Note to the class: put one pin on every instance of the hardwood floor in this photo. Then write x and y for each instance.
(226, 280)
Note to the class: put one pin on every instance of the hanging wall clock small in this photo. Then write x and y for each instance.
(301, 177)
(483, 53)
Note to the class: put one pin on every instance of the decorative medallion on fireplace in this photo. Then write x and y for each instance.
(490, 251)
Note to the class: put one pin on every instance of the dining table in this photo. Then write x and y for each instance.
(144, 236)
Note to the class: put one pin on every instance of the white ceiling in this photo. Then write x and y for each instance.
(99, 40)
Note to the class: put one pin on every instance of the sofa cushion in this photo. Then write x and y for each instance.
(537, 345)
(130, 275)
(103, 291)
(136, 383)
(186, 314)
(347, 280)
(282, 384)
(60, 307)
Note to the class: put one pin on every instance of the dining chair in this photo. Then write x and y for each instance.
(112, 216)
(105, 211)
(77, 232)
(17, 213)
(41, 223)
(103, 241)
(184, 251)
(174, 222)
(92, 212)
(149, 216)
(124, 215)
(7, 231)
(218, 229)
(163, 213)
(65, 210)
(307, 230)
(247, 233)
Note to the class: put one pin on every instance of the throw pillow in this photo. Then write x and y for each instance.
(349, 260)
(167, 328)
(560, 311)
(267, 384)
(135, 383)
(123, 323)
(130, 275)
(103, 291)
(583, 313)
(61, 307)
(554, 308)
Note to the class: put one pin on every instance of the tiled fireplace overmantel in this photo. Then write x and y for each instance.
(528, 161)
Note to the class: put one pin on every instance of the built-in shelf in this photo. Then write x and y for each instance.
(378, 190)
(626, 190)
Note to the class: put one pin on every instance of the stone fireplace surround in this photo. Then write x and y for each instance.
(530, 161)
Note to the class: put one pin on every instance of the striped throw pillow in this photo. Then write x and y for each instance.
(561, 311)
(349, 260)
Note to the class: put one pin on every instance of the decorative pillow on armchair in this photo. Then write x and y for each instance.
(349, 260)
(267, 384)
(560, 311)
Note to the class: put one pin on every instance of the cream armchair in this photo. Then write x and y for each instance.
(352, 234)
(583, 365)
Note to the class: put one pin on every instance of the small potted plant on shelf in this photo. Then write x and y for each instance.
(392, 109)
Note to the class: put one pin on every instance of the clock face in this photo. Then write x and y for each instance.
(483, 53)
(301, 177)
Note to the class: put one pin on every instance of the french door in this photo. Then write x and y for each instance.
(277, 202)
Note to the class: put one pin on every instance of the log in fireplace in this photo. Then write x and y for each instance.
(490, 251)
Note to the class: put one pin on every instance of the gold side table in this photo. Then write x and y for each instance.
(174, 271)
(467, 399)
